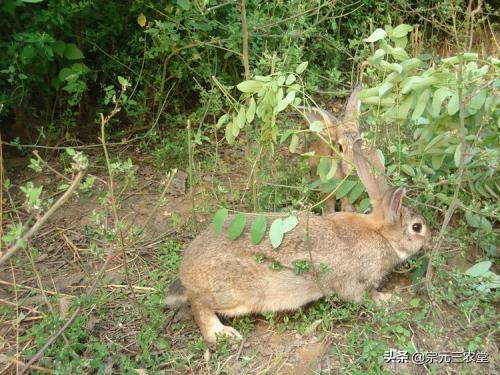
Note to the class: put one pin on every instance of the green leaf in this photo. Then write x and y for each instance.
(434, 142)
(364, 204)
(258, 229)
(32, 1)
(477, 221)
(251, 110)
(377, 100)
(229, 133)
(285, 102)
(437, 161)
(28, 53)
(123, 81)
(141, 20)
(323, 168)
(399, 54)
(236, 227)
(403, 109)
(290, 79)
(400, 42)
(66, 74)
(289, 223)
(72, 52)
(428, 170)
(235, 129)
(241, 118)
(378, 55)
(58, 47)
(458, 154)
(301, 67)
(293, 143)
(285, 135)
(316, 126)
(377, 35)
(410, 64)
(401, 31)
(453, 105)
(395, 67)
(250, 86)
(219, 219)
(345, 188)
(276, 233)
(422, 100)
(479, 269)
(437, 101)
(485, 224)
(356, 192)
(477, 102)
(333, 169)
(184, 4)
(415, 302)
(222, 120)
(417, 83)
(408, 170)
(385, 88)
(368, 92)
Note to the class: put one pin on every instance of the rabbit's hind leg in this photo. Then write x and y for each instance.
(210, 325)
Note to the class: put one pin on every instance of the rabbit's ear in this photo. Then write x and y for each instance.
(353, 104)
(394, 209)
(371, 172)
(317, 114)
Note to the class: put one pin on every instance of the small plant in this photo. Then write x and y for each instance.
(422, 94)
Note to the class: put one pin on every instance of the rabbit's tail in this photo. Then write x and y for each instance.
(176, 294)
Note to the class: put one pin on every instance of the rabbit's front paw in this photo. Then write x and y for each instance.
(228, 332)
(220, 330)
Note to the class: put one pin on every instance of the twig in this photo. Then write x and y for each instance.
(170, 178)
(36, 227)
(454, 202)
(19, 363)
(471, 20)
(54, 337)
(49, 292)
(35, 152)
(51, 339)
(244, 56)
(112, 199)
(190, 171)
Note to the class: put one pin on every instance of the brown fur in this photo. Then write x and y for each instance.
(223, 276)
(340, 135)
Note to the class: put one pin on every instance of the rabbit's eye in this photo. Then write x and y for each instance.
(417, 227)
(341, 149)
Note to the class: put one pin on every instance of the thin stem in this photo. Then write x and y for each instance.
(454, 201)
(36, 227)
(244, 56)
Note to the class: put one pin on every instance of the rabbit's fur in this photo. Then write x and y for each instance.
(350, 254)
(339, 135)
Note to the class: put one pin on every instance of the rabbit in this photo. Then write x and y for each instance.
(339, 134)
(349, 253)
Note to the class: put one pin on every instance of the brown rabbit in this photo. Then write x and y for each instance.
(349, 254)
(339, 134)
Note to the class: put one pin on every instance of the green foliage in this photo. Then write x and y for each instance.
(267, 97)
(219, 219)
(421, 96)
(258, 229)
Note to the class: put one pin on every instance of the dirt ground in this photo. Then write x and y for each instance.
(65, 267)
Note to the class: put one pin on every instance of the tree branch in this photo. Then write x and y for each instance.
(36, 227)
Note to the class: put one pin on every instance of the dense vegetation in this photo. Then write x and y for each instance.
(214, 88)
